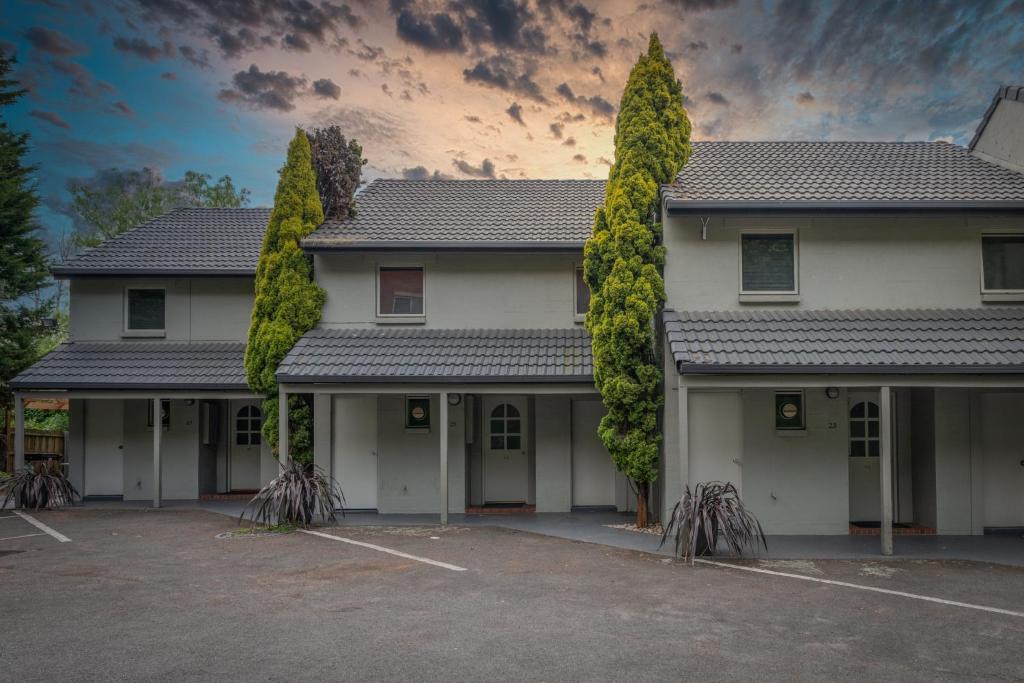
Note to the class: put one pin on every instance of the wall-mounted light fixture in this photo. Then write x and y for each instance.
(832, 392)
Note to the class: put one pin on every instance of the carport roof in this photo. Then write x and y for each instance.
(917, 341)
(138, 365)
(399, 355)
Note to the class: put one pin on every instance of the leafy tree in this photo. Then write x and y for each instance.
(338, 164)
(23, 260)
(125, 199)
(622, 265)
(288, 302)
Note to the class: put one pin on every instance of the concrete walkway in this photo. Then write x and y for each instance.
(592, 527)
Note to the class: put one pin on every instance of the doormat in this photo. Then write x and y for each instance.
(501, 509)
(874, 529)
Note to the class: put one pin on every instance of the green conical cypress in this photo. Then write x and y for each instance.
(622, 264)
(288, 302)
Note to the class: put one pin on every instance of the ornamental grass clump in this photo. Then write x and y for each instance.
(300, 493)
(40, 485)
(711, 511)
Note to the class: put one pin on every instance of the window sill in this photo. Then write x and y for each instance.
(790, 432)
(417, 430)
(579, 319)
(1002, 297)
(401, 319)
(140, 334)
(769, 298)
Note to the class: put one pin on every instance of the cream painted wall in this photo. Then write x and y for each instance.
(196, 309)
(553, 454)
(1002, 141)
(461, 290)
(844, 262)
(179, 452)
(953, 461)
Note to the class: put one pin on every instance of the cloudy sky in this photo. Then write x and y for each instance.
(479, 88)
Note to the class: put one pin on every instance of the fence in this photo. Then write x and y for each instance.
(39, 445)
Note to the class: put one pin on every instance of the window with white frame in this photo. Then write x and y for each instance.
(1002, 262)
(399, 291)
(144, 309)
(768, 262)
(865, 430)
(581, 292)
(247, 426)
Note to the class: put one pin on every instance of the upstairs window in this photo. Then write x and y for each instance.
(399, 291)
(768, 263)
(582, 294)
(1002, 258)
(144, 310)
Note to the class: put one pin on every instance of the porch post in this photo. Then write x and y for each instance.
(158, 430)
(282, 426)
(442, 420)
(19, 432)
(885, 467)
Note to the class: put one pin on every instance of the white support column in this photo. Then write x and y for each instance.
(684, 439)
(158, 431)
(885, 467)
(443, 426)
(19, 432)
(282, 426)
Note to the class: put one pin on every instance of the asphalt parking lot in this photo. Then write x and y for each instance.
(158, 595)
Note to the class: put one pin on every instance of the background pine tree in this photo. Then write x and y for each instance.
(288, 302)
(622, 265)
(23, 256)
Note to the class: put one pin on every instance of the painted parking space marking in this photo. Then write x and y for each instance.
(389, 551)
(42, 527)
(11, 538)
(873, 589)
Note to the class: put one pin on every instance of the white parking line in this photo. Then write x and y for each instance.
(846, 584)
(42, 527)
(382, 549)
(11, 538)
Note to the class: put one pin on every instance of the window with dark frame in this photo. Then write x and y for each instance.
(768, 262)
(400, 291)
(248, 422)
(417, 412)
(165, 413)
(789, 410)
(145, 309)
(582, 293)
(1002, 259)
(865, 430)
(506, 428)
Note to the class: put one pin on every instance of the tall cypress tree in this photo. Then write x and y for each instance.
(622, 265)
(288, 302)
(23, 260)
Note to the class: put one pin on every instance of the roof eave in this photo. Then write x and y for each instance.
(326, 245)
(397, 379)
(28, 385)
(682, 207)
(717, 369)
(67, 272)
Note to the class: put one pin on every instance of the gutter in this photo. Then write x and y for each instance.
(677, 207)
(395, 379)
(67, 272)
(341, 244)
(685, 368)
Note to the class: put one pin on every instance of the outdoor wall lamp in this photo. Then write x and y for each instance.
(832, 392)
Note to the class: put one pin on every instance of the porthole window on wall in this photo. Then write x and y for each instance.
(506, 428)
(789, 410)
(247, 426)
(865, 430)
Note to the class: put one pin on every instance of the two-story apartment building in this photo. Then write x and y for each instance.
(843, 340)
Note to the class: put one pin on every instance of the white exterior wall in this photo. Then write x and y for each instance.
(953, 461)
(1002, 141)
(553, 454)
(844, 261)
(461, 290)
(196, 309)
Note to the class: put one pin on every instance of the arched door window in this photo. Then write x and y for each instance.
(247, 426)
(506, 428)
(864, 430)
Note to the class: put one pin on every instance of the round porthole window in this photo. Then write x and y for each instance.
(789, 410)
(418, 413)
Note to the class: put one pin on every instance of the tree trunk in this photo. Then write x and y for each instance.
(641, 506)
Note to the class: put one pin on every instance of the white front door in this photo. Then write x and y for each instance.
(716, 438)
(355, 450)
(593, 472)
(104, 452)
(245, 438)
(865, 448)
(506, 463)
(1002, 459)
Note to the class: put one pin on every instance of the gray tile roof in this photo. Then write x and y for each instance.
(466, 214)
(850, 175)
(1014, 93)
(977, 340)
(398, 355)
(138, 365)
(179, 242)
